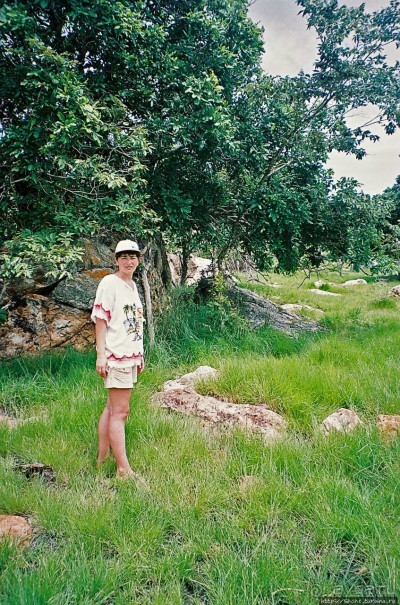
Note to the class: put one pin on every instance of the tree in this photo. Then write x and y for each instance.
(154, 116)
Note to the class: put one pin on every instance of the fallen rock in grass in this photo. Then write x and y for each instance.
(296, 307)
(37, 469)
(324, 292)
(202, 373)
(353, 282)
(257, 418)
(343, 420)
(395, 291)
(389, 426)
(16, 529)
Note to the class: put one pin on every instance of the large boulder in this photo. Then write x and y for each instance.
(39, 324)
(79, 291)
(260, 311)
(96, 255)
(196, 267)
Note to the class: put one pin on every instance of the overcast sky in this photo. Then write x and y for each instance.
(289, 47)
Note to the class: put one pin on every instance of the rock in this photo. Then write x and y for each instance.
(24, 286)
(323, 292)
(39, 324)
(343, 420)
(79, 291)
(175, 268)
(259, 311)
(96, 256)
(15, 528)
(395, 291)
(389, 426)
(202, 373)
(319, 283)
(256, 418)
(353, 282)
(196, 266)
(295, 307)
(37, 469)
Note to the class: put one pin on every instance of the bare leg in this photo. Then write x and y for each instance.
(104, 440)
(118, 404)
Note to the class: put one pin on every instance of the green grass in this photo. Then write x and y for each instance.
(320, 516)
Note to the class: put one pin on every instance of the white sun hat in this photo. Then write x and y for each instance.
(127, 245)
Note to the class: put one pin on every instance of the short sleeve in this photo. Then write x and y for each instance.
(104, 302)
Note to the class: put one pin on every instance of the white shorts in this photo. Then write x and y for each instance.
(121, 378)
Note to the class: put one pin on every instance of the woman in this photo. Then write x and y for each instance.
(118, 315)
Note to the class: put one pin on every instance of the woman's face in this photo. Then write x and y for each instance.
(127, 262)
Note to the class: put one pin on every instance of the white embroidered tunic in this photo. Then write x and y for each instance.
(120, 306)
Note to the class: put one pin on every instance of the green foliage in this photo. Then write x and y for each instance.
(42, 252)
(148, 117)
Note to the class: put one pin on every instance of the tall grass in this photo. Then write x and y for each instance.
(228, 519)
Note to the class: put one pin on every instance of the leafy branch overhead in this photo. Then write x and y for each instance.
(155, 117)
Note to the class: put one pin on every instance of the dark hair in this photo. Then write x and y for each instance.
(127, 252)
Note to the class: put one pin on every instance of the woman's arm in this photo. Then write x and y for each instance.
(101, 362)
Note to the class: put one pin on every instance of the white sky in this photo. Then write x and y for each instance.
(289, 47)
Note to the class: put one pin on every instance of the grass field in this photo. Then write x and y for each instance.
(228, 519)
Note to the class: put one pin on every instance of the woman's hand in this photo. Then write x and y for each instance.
(102, 365)
(141, 366)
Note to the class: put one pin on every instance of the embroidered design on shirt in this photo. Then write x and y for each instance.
(133, 322)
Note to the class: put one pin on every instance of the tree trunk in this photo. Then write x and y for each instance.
(149, 308)
(184, 264)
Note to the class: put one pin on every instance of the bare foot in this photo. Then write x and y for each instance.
(134, 476)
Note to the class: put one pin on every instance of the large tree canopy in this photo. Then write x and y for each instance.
(154, 116)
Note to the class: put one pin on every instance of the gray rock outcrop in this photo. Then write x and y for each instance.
(195, 268)
(260, 311)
